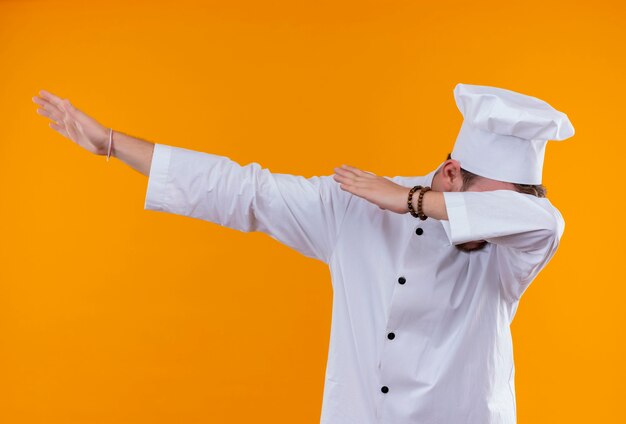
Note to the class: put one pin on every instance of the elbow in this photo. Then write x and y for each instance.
(548, 226)
(556, 226)
(550, 233)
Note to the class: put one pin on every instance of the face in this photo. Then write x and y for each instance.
(449, 178)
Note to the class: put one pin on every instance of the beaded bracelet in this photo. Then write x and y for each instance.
(110, 143)
(420, 212)
(410, 201)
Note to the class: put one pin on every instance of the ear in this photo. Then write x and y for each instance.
(451, 177)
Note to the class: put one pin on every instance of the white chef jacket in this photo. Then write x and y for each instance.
(420, 330)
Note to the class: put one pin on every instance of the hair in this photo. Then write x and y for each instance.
(536, 190)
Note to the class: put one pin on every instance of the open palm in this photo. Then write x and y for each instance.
(72, 123)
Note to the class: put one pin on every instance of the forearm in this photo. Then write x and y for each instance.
(134, 152)
(433, 204)
(505, 217)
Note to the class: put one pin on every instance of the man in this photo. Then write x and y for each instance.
(421, 306)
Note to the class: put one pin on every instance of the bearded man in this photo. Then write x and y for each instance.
(427, 271)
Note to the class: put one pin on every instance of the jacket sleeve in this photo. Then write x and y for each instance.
(525, 230)
(302, 213)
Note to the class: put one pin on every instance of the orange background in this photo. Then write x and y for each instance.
(113, 314)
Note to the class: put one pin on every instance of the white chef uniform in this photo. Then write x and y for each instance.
(420, 330)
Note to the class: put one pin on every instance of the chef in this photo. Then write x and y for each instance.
(427, 271)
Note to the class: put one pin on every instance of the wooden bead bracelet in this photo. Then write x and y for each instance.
(420, 213)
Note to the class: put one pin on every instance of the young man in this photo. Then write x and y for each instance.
(422, 301)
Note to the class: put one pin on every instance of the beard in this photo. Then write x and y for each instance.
(471, 246)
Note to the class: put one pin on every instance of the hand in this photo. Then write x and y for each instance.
(73, 123)
(378, 190)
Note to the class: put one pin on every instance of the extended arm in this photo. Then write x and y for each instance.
(302, 213)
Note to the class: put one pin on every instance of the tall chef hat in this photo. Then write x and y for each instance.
(504, 133)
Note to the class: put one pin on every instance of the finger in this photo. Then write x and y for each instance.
(346, 180)
(341, 179)
(346, 187)
(347, 172)
(357, 171)
(44, 103)
(39, 100)
(47, 114)
(47, 105)
(43, 112)
(343, 172)
(51, 98)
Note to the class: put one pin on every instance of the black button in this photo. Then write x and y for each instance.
(401, 280)
(419, 231)
(391, 336)
(384, 389)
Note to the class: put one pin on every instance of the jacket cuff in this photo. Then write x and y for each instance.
(156, 193)
(457, 227)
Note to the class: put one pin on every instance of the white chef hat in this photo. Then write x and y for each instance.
(504, 133)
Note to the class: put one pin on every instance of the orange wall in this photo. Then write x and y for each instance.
(113, 314)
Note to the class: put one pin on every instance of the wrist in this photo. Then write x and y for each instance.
(434, 205)
(110, 143)
(415, 201)
(113, 147)
(410, 200)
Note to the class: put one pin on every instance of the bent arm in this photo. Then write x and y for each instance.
(433, 205)
(503, 217)
(526, 230)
